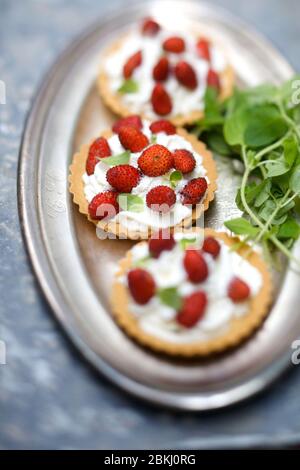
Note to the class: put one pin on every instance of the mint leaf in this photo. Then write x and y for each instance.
(121, 159)
(128, 86)
(170, 297)
(185, 242)
(143, 261)
(130, 202)
(241, 226)
(175, 177)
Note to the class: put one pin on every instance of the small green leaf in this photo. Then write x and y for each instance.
(121, 159)
(170, 297)
(234, 127)
(295, 180)
(185, 242)
(276, 168)
(290, 150)
(241, 226)
(212, 105)
(130, 202)
(263, 194)
(143, 261)
(129, 86)
(153, 139)
(217, 143)
(175, 177)
(264, 125)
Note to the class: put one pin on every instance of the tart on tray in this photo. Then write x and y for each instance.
(140, 177)
(158, 73)
(190, 294)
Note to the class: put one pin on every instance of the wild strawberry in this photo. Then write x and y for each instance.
(161, 100)
(150, 27)
(203, 49)
(174, 44)
(192, 310)
(131, 64)
(238, 290)
(98, 149)
(211, 246)
(141, 285)
(213, 80)
(132, 139)
(123, 178)
(162, 240)
(104, 205)
(195, 266)
(194, 191)
(161, 199)
(186, 75)
(163, 126)
(155, 160)
(129, 121)
(184, 160)
(161, 70)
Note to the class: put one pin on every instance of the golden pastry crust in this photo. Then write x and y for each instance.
(115, 103)
(238, 330)
(77, 169)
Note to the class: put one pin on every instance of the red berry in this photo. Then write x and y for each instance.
(132, 139)
(162, 240)
(174, 44)
(194, 191)
(192, 310)
(141, 285)
(213, 80)
(161, 100)
(155, 160)
(238, 290)
(161, 70)
(129, 121)
(211, 246)
(161, 199)
(131, 64)
(203, 49)
(150, 27)
(163, 126)
(184, 160)
(98, 149)
(195, 266)
(104, 205)
(186, 75)
(123, 178)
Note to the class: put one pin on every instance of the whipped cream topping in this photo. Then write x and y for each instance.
(184, 100)
(159, 319)
(97, 182)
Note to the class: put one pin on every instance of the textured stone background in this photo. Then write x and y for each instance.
(50, 398)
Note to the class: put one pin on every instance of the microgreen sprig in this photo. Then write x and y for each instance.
(261, 127)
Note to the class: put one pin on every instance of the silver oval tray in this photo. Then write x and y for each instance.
(75, 268)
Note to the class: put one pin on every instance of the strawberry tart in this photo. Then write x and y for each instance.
(140, 177)
(157, 73)
(190, 295)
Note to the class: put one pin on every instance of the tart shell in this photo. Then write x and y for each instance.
(114, 100)
(77, 169)
(238, 330)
